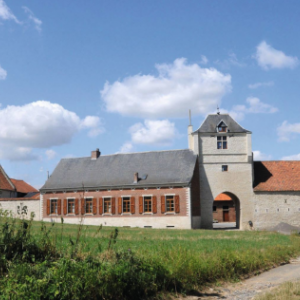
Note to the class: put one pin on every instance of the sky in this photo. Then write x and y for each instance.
(121, 76)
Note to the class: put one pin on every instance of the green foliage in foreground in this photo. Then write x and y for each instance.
(60, 261)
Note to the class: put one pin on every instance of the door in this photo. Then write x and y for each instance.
(225, 216)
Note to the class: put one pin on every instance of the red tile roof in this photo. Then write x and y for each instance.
(22, 186)
(276, 176)
(223, 197)
(5, 183)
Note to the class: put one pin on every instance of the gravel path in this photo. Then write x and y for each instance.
(249, 288)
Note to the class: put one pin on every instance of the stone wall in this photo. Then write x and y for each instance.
(271, 208)
(15, 207)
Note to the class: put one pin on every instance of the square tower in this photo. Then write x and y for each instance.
(225, 165)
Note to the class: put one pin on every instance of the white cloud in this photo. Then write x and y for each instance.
(126, 148)
(6, 13)
(255, 106)
(260, 84)
(232, 60)
(269, 58)
(292, 157)
(177, 88)
(39, 124)
(37, 22)
(204, 60)
(153, 132)
(94, 123)
(286, 131)
(257, 155)
(3, 73)
(50, 154)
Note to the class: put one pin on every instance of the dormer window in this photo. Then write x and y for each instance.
(222, 127)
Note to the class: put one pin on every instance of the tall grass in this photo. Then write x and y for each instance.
(59, 261)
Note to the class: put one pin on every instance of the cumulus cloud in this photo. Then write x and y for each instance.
(269, 58)
(292, 157)
(37, 22)
(177, 87)
(204, 60)
(39, 124)
(50, 154)
(3, 73)
(286, 131)
(257, 155)
(260, 84)
(126, 148)
(153, 132)
(6, 13)
(94, 123)
(254, 106)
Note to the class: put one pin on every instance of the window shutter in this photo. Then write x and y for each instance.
(94, 206)
(140, 205)
(154, 201)
(132, 204)
(119, 205)
(113, 205)
(48, 206)
(163, 204)
(100, 206)
(82, 206)
(177, 210)
(76, 206)
(59, 206)
(65, 206)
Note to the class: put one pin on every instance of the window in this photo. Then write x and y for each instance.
(126, 204)
(224, 168)
(214, 208)
(222, 142)
(88, 206)
(222, 127)
(107, 205)
(147, 204)
(71, 206)
(170, 204)
(53, 207)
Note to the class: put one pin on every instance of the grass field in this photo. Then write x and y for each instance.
(150, 260)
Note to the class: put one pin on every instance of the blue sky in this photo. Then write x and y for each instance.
(122, 75)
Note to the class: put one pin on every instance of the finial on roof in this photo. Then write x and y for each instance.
(218, 110)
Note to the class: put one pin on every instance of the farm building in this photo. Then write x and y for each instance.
(215, 179)
(18, 197)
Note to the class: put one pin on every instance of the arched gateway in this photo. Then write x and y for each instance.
(226, 209)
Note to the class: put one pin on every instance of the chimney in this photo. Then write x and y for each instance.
(136, 177)
(95, 154)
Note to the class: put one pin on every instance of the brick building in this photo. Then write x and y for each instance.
(158, 189)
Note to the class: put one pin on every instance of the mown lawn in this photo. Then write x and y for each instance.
(132, 263)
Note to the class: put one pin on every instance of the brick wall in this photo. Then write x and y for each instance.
(182, 219)
(218, 214)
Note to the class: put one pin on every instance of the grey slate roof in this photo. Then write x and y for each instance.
(164, 168)
(211, 122)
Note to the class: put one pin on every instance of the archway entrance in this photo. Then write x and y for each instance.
(226, 211)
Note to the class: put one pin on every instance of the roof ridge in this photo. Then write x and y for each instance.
(7, 178)
(129, 153)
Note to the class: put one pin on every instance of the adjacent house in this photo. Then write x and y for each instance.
(18, 197)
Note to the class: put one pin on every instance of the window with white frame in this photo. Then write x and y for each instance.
(147, 204)
(53, 206)
(89, 206)
(107, 205)
(71, 206)
(126, 204)
(170, 203)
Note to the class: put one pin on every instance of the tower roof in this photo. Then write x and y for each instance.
(212, 121)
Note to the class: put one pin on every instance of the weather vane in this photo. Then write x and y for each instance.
(218, 110)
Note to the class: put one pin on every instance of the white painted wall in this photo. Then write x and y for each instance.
(12, 206)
